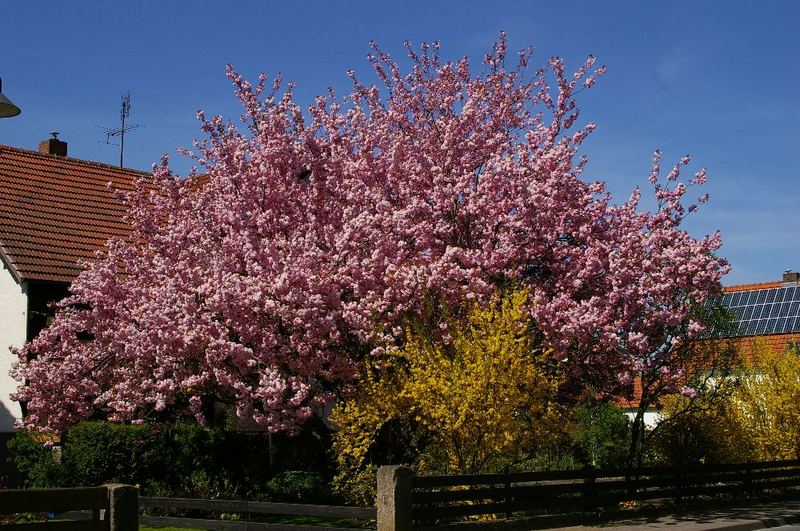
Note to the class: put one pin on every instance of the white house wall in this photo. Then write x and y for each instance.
(651, 417)
(13, 327)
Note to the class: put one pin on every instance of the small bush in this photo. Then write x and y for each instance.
(697, 433)
(601, 434)
(38, 466)
(296, 486)
(358, 487)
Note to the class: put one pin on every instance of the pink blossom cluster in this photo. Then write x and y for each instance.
(634, 297)
(308, 238)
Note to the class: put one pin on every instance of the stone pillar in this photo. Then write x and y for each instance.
(394, 498)
(123, 508)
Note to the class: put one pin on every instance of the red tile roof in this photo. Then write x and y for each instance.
(55, 211)
(746, 345)
(750, 287)
(777, 343)
(633, 402)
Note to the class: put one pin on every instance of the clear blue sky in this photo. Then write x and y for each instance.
(716, 79)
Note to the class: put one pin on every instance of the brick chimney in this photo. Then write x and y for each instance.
(53, 146)
(791, 277)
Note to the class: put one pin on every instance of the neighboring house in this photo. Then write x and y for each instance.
(767, 313)
(54, 212)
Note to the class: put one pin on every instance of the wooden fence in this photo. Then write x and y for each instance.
(407, 502)
(438, 500)
(246, 510)
(110, 508)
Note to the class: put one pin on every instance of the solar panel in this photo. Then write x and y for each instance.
(736, 297)
(764, 311)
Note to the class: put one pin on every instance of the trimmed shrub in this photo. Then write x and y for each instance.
(171, 460)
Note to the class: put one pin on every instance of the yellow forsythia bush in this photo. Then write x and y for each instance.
(767, 404)
(757, 419)
(466, 398)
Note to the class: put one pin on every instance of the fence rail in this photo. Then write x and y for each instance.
(442, 498)
(109, 508)
(248, 508)
(230, 525)
(52, 500)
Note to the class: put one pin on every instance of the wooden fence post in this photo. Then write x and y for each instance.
(507, 495)
(394, 498)
(590, 487)
(123, 508)
(749, 490)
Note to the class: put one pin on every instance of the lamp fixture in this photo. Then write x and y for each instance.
(7, 109)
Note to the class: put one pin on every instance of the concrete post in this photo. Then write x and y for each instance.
(394, 498)
(123, 508)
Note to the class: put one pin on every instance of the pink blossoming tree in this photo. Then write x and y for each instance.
(309, 238)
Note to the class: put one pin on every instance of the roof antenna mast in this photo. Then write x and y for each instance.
(124, 112)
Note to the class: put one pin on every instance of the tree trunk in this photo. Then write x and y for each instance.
(634, 459)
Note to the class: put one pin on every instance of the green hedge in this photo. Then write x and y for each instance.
(602, 434)
(177, 460)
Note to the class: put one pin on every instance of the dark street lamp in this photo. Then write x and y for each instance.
(7, 109)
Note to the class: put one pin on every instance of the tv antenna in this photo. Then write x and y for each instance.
(124, 112)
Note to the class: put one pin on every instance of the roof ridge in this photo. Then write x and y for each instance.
(85, 162)
(752, 286)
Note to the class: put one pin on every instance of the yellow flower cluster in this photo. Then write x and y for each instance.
(482, 390)
(755, 418)
(767, 404)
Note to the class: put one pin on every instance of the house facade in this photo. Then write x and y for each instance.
(55, 211)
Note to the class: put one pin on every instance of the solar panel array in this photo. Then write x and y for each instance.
(765, 311)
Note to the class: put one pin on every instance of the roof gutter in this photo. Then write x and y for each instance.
(9, 265)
